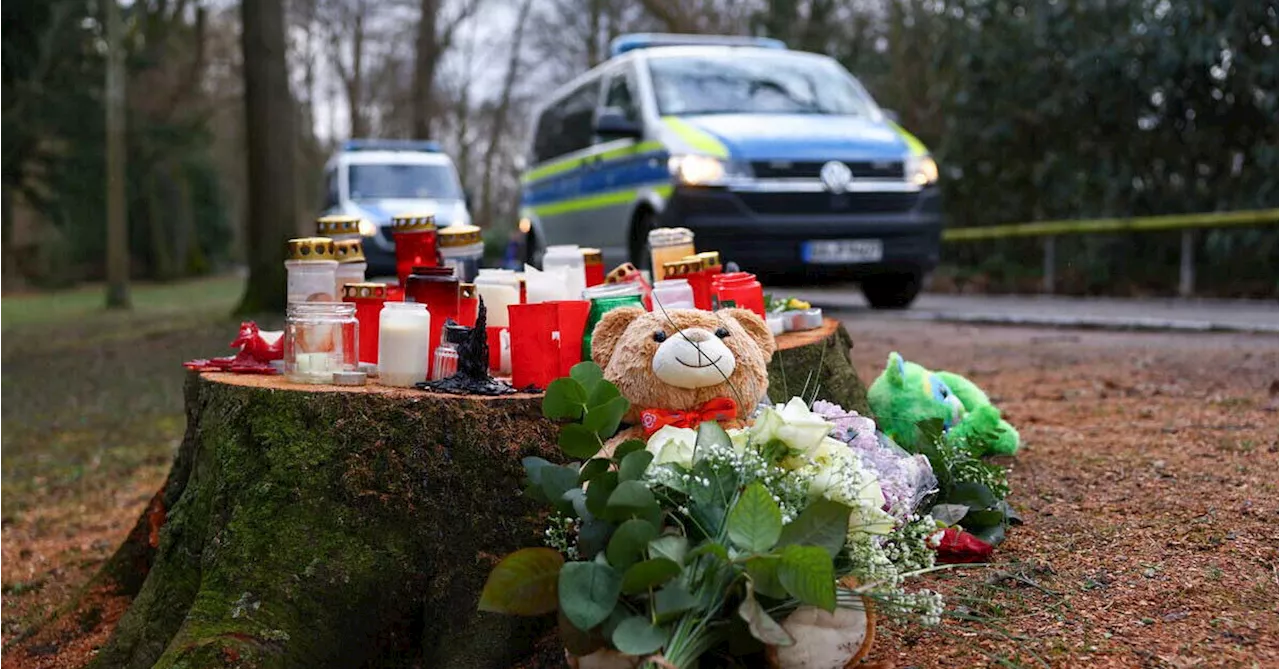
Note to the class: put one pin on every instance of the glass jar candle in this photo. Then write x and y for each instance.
(709, 268)
(672, 294)
(320, 338)
(338, 227)
(415, 238)
(436, 287)
(444, 363)
(593, 266)
(738, 289)
(668, 244)
(468, 304)
(500, 289)
(312, 267)
(567, 257)
(368, 298)
(604, 299)
(462, 249)
(404, 336)
(351, 263)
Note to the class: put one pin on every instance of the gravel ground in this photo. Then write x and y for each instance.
(1148, 482)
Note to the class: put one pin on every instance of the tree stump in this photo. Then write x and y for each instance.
(815, 364)
(322, 526)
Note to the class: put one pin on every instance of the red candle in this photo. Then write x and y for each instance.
(368, 298)
(415, 237)
(739, 289)
(436, 287)
(535, 357)
(593, 262)
(700, 281)
(468, 304)
(571, 322)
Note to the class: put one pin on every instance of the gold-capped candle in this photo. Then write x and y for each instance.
(312, 267)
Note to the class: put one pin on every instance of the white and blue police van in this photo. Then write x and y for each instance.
(778, 159)
(376, 179)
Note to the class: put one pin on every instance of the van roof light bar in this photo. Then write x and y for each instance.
(391, 145)
(624, 43)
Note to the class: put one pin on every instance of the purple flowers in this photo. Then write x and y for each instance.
(905, 479)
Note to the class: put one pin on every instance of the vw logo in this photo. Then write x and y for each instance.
(835, 176)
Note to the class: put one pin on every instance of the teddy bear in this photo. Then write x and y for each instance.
(905, 394)
(684, 366)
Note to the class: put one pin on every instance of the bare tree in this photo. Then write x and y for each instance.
(269, 130)
(117, 221)
(501, 112)
(435, 36)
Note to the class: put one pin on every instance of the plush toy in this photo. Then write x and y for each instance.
(683, 367)
(906, 394)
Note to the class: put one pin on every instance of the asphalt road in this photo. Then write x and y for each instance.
(1106, 313)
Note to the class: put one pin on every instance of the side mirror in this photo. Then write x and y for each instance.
(611, 122)
(891, 115)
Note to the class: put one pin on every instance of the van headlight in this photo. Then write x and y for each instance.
(921, 170)
(700, 170)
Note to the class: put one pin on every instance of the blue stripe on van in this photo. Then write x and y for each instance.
(612, 175)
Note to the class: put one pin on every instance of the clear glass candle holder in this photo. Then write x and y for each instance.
(320, 338)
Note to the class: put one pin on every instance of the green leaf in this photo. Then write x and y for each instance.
(972, 495)
(755, 521)
(631, 497)
(671, 546)
(648, 574)
(593, 537)
(565, 398)
(711, 501)
(593, 468)
(708, 548)
(523, 583)
(808, 574)
(763, 571)
(603, 392)
(1009, 513)
(598, 493)
(579, 442)
(982, 519)
(671, 601)
(634, 465)
(604, 419)
(637, 636)
(824, 524)
(588, 592)
(993, 535)
(556, 480)
(762, 627)
(576, 641)
(533, 467)
(587, 374)
(577, 499)
(948, 514)
(711, 434)
(629, 542)
(627, 448)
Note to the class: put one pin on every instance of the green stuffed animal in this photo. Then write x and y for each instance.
(905, 394)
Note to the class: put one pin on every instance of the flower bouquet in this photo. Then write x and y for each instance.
(704, 547)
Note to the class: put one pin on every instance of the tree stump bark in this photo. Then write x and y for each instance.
(815, 364)
(319, 526)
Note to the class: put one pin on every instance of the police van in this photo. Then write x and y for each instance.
(778, 159)
(376, 179)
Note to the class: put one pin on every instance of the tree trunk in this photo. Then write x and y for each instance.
(269, 129)
(317, 526)
(815, 364)
(117, 221)
(425, 62)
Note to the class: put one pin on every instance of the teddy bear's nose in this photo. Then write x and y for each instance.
(696, 335)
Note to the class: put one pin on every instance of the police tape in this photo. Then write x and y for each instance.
(1216, 219)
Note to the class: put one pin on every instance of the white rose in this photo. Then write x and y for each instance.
(870, 516)
(739, 437)
(673, 445)
(801, 429)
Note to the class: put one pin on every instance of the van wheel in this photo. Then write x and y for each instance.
(644, 221)
(892, 291)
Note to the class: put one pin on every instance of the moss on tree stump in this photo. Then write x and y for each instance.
(816, 363)
(317, 526)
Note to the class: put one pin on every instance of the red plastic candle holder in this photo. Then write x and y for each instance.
(535, 356)
(468, 304)
(369, 298)
(571, 323)
(415, 238)
(739, 289)
(436, 287)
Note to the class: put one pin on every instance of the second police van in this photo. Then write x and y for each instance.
(778, 159)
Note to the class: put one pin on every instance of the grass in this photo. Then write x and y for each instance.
(90, 391)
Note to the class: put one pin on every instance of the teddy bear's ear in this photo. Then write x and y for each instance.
(608, 332)
(755, 327)
(896, 369)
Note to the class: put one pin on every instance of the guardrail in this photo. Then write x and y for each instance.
(1187, 223)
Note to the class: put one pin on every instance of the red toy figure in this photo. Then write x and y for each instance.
(257, 350)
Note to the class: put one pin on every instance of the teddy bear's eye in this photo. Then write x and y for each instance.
(659, 336)
(722, 332)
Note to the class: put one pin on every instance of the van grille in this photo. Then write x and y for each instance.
(828, 203)
(783, 169)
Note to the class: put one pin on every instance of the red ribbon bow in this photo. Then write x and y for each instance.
(720, 408)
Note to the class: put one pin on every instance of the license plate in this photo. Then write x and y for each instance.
(839, 251)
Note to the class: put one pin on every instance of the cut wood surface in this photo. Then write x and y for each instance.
(815, 364)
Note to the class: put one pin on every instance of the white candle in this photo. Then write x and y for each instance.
(404, 338)
(547, 286)
(499, 289)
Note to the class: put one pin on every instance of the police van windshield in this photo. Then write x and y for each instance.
(401, 181)
(734, 83)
